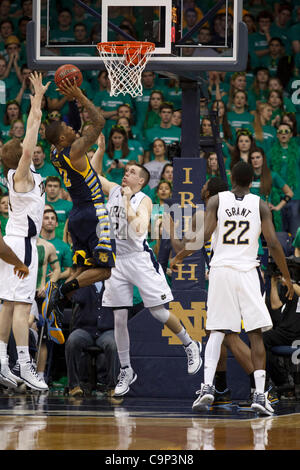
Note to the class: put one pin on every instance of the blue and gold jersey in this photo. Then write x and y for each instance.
(83, 186)
(89, 222)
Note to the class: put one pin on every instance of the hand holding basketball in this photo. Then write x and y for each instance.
(70, 72)
(69, 90)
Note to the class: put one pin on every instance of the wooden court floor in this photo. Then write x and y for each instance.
(43, 422)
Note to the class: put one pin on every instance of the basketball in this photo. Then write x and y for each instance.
(68, 71)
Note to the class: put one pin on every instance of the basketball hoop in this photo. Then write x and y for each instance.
(125, 62)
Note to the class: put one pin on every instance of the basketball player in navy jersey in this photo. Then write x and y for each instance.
(235, 219)
(26, 208)
(89, 226)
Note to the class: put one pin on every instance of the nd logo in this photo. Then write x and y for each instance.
(193, 321)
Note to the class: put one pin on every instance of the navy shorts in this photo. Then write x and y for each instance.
(91, 247)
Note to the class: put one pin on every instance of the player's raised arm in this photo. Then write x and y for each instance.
(81, 145)
(97, 161)
(33, 124)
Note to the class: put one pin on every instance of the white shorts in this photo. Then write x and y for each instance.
(140, 270)
(11, 287)
(234, 296)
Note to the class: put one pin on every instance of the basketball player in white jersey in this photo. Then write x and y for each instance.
(130, 212)
(235, 219)
(26, 207)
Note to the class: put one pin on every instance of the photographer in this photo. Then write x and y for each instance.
(286, 320)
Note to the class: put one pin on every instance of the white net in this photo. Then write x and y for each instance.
(125, 64)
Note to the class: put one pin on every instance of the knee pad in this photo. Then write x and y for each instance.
(160, 313)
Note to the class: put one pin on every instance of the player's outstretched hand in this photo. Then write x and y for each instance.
(69, 90)
(36, 80)
(21, 271)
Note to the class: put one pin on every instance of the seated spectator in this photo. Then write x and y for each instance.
(238, 82)
(6, 29)
(61, 206)
(240, 117)
(133, 144)
(80, 32)
(212, 167)
(17, 130)
(224, 30)
(38, 159)
(152, 117)
(156, 166)
(165, 131)
(124, 110)
(249, 20)
(275, 100)
(163, 192)
(259, 92)
(12, 113)
(286, 327)
(285, 160)
(276, 84)
(91, 325)
(280, 28)
(13, 48)
(177, 118)
(291, 120)
(276, 51)
(63, 250)
(117, 155)
(263, 131)
(205, 127)
(245, 144)
(167, 173)
(4, 200)
(259, 41)
(64, 30)
(269, 186)
(190, 19)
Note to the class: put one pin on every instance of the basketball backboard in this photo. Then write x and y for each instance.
(187, 41)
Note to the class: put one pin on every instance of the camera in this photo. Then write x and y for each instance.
(173, 151)
(293, 264)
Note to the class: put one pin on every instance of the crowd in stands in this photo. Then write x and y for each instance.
(258, 109)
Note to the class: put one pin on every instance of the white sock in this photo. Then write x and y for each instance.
(260, 380)
(3, 350)
(122, 336)
(184, 337)
(212, 355)
(41, 375)
(23, 354)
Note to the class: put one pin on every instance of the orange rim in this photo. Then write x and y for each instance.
(130, 47)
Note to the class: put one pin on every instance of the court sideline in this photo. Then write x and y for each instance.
(42, 422)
